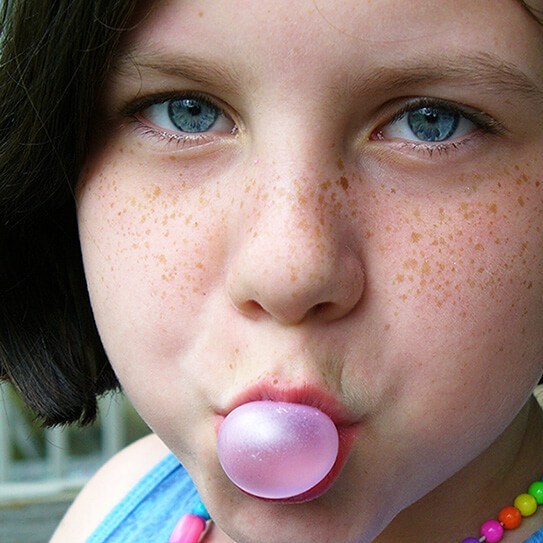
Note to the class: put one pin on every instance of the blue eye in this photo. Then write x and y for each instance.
(433, 124)
(192, 115)
(429, 123)
(188, 115)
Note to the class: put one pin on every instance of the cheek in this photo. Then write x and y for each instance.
(455, 281)
(464, 255)
(463, 284)
(480, 246)
(152, 256)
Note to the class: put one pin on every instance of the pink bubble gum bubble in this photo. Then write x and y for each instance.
(277, 450)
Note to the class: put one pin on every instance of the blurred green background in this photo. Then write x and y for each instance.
(41, 471)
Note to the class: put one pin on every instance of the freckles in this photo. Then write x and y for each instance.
(169, 273)
(343, 182)
(311, 210)
(150, 232)
(479, 249)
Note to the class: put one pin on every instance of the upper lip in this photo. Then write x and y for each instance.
(307, 394)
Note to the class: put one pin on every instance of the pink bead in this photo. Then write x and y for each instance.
(492, 530)
(277, 449)
(188, 529)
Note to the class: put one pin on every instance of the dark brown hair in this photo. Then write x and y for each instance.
(53, 58)
(54, 55)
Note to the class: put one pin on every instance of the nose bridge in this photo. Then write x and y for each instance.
(298, 218)
(292, 258)
(297, 168)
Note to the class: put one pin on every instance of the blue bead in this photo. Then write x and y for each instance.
(471, 540)
(200, 510)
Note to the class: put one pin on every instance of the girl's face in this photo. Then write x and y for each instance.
(336, 203)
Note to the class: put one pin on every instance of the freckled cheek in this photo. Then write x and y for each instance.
(445, 265)
(471, 289)
(473, 268)
(148, 250)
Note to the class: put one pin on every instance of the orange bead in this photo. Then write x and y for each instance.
(510, 517)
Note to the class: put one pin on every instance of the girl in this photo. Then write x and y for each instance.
(332, 204)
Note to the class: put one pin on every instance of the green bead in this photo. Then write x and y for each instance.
(536, 490)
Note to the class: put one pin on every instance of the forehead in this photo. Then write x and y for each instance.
(364, 21)
(268, 37)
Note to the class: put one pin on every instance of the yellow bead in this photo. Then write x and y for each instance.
(526, 504)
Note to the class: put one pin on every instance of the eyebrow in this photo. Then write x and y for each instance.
(206, 72)
(488, 73)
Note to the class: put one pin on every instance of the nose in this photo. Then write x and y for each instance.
(294, 256)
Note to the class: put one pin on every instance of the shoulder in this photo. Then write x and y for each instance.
(110, 484)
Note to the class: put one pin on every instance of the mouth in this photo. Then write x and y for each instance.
(346, 424)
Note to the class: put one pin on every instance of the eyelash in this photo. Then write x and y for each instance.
(132, 111)
(484, 124)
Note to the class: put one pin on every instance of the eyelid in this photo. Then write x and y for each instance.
(132, 107)
(479, 118)
(133, 110)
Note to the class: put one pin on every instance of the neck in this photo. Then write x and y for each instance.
(480, 490)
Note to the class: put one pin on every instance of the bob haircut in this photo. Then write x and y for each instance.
(54, 56)
(53, 59)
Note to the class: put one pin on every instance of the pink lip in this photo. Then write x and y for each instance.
(347, 425)
(305, 394)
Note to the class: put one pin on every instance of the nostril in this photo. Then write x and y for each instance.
(320, 308)
(324, 310)
(256, 311)
(251, 309)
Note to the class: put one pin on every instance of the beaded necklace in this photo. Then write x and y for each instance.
(192, 525)
(510, 517)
